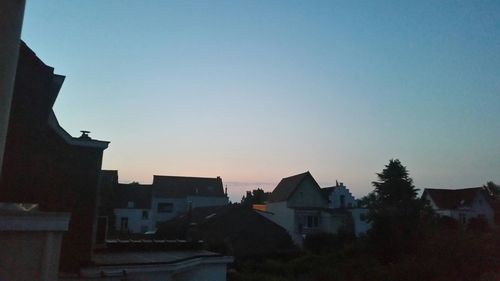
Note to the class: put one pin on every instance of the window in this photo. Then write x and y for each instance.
(124, 224)
(342, 201)
(312, 221)
(462, 218)
(130, 204)
(145, 215)
(165, 207)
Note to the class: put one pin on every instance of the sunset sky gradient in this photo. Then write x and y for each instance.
(254, 91)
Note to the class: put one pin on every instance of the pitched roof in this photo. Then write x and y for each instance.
(222, 225)
(179, 187)
(327, 190)
(138, 193)
(453, 198)
(287, 186)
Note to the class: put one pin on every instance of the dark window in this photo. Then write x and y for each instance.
(124, 224)
(165, 207)
(462, 218)
(342, 201)
(145, 215)
(312, 221)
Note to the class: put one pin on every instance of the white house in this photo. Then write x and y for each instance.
(341, 198)
(460, 204)
(142, 208)
(133, 211)
(298, 205)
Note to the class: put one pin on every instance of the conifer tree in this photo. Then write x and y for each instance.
(394, 208)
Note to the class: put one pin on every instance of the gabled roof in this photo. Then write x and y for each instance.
(327, 190)
(180, 187)
(452, 198)
(223, 224)
(138, 193)
(287, 186)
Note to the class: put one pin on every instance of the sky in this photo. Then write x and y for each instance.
(254, 91)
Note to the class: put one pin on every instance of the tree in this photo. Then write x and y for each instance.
(256, 196)
(394, 209)
(492, 189)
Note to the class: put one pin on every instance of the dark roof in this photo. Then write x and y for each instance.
(327, 190)
(138, 193)
(287, 186)
(110, 176)
(179, 187)
(222, 229)
(453, 198)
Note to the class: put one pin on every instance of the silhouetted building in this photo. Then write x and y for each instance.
(140, 208)
(460, 204)
(43, 164)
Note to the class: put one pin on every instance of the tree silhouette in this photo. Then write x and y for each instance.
(256, 196)
(394, 209)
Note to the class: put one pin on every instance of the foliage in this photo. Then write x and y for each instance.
(256, 196)
(325, 242)
(408, 242)
(394, 210)
(492, 189)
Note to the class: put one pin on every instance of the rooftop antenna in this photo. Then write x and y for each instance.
(85, 134)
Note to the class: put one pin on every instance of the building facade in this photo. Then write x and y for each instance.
(299, 205)
(45, 165)
(140, 208)
(461, 204)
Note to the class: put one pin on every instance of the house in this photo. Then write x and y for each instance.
(233, 229)
(298, 205)
(139, 208)
(173, 195)
(341, 198)
(45, 165)
(460, 204)
(133, 208)
(56, 177)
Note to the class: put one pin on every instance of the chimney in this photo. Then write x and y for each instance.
(85, 135)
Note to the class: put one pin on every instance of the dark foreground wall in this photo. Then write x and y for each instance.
(43, 164)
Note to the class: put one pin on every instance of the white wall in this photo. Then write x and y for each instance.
(30, 243)
(180, 206)
(479, 206)
(282, 215)
(207, 201)
(135, 220)
(361, 226)
(335, 198)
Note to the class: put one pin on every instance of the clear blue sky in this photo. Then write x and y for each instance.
(255, 91)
